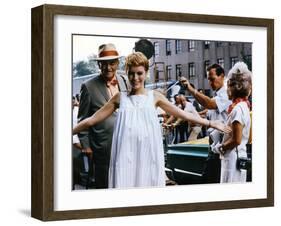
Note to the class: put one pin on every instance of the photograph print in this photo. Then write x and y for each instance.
(155, 112)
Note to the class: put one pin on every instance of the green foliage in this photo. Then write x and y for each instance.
(81, 68)
(90, 66)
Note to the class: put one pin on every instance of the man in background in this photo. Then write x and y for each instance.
(217, 110)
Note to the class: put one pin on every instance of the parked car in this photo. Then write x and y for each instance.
(185, 161)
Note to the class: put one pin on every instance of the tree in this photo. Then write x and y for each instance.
(81, 68)
(93, 64)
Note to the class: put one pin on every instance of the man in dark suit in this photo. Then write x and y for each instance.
(95, 92)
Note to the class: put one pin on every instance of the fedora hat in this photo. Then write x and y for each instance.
(107, 52)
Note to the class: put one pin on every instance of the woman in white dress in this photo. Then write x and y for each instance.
(137, 155)
(239, 86)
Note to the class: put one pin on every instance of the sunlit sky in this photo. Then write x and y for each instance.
(85, 46)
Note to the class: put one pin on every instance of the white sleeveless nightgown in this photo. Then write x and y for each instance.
(137, 154)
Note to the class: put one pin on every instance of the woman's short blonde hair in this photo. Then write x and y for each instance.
(240, 79)
(136, 59)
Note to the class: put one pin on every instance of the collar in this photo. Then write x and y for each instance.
(218, 91)
(112, 82)
(236, 101)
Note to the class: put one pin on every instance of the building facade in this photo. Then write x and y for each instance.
(190, 58)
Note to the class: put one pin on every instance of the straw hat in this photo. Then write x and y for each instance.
(107, 52)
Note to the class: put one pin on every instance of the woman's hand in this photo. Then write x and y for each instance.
(220, 126)
(217, 148)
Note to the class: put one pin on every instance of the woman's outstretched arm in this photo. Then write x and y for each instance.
(162, 102)
(100, 115)
(236, 137)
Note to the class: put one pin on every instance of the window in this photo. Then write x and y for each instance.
(233, 60)
(191, 70)
(219, 44)
(156, 49)
(206, 65)
(169, 72)
(248, 60)
(168, 47)
(178, 46)
(178, 71)
(156, 79)
(207, 44)
(191, 46)
(221, 62)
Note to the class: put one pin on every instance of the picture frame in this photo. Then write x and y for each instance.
(43, 108)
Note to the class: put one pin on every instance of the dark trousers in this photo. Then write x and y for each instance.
(77, 166)
(212, 169)
(101, 175)
(181, 133)
(101, 159)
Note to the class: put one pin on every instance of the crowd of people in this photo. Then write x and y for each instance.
(117, 122)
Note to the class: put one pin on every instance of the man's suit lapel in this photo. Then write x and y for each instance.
(102, 88)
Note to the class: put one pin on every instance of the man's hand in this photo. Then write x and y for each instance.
(78, 146)
(184, 81)
(174, 125)
(87, 150)
(167, 126)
